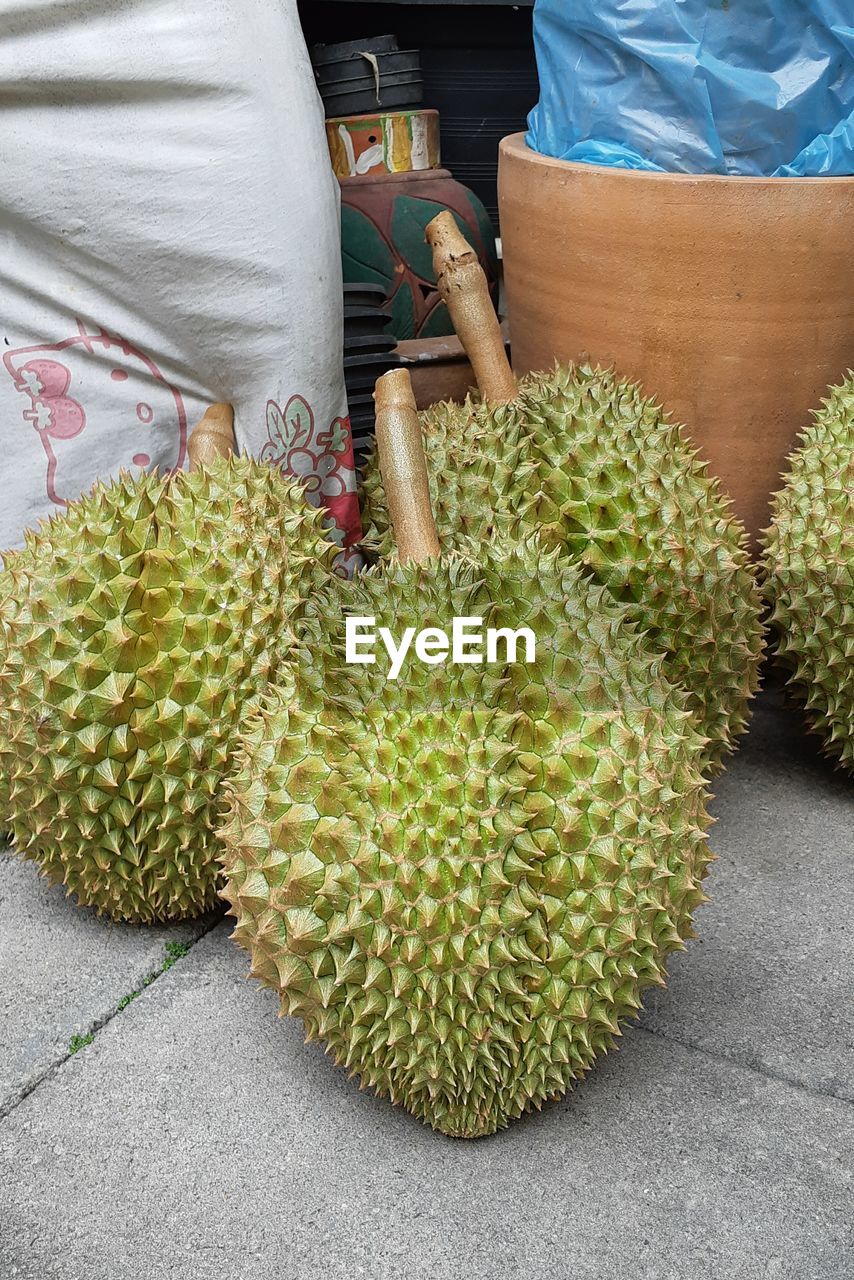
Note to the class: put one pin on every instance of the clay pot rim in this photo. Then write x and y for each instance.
(514, 144)
(381, 115)
(406, 175)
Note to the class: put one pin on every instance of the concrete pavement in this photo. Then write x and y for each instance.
(64, 971)
(197, 1136)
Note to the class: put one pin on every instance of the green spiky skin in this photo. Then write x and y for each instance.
(809, 562)
(586, 460)
(463, 880)
(133, 632)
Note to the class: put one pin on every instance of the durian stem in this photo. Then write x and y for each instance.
(213, 437)
(464, 289)
(403, 466)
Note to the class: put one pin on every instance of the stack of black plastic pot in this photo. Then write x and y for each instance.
(477, 61)
(367, 75)
(369, 351)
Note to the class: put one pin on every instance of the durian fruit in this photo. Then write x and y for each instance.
(809, 563)
(133, 632)
(463, 879)
(581, 456)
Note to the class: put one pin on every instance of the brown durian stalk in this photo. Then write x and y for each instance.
(212, 438)
(404, 467)
(465, 291)
(463, 288)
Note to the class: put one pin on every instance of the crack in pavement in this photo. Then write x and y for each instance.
(744, 1065)
(731, 1060)
(51, 1068)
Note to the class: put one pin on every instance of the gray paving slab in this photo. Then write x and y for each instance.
(62, 972)
(198, 1136)
(771, 981)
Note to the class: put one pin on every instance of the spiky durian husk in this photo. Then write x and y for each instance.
(463, 880)
(585, 459)
(133, 632)
(809, 562)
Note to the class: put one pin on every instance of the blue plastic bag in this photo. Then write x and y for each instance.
(692, 86)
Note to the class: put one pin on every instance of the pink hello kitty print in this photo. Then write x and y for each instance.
(93, 403)
(94, 400)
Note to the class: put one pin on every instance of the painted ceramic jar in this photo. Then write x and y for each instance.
(390, 142)
(383, 220)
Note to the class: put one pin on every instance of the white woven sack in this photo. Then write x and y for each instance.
(168, 238)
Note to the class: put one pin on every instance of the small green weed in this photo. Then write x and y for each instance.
(174, 951)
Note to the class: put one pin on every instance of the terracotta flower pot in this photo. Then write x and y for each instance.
(730, 299)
